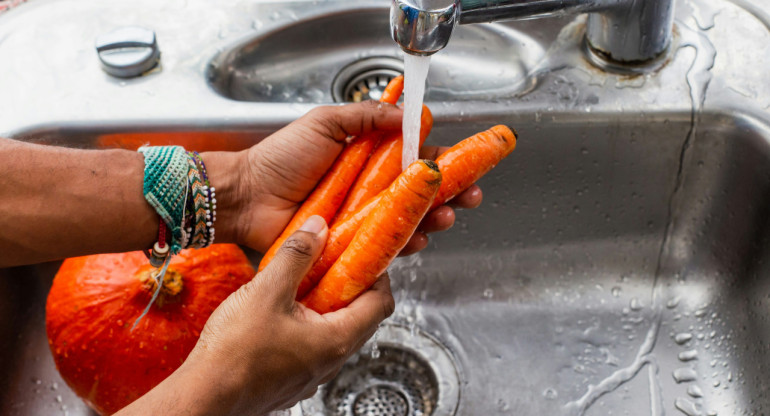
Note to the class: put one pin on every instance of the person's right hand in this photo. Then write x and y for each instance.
(260, 350)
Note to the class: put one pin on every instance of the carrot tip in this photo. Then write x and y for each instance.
(431, 164)
(515, 133)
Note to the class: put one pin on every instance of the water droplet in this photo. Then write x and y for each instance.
(694, 391)
(686, 406)
(688, 355)
(584, 150)
(682, 337)
(672, 303)
(488, 293)
(682, 375)
(375, 346)
(550, 394)
(54, 386)
(635, 304)
(616, 291)
(58, 398)
(502, 405)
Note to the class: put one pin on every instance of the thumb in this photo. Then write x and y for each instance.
(280, 279)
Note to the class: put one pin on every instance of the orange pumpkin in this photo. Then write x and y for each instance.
(95, 300)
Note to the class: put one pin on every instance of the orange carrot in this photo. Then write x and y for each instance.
(469, 160)
(393, 90)
(383, 166)
(461, 166)
(329, 194)
(384, 232)
(338, 240)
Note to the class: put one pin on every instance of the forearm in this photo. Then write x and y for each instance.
(192, 390)
(60, 202)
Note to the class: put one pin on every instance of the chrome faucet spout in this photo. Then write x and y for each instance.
(422, 31)
(622, 31)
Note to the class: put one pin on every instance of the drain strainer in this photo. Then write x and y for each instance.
(365, 79)
(413, 375)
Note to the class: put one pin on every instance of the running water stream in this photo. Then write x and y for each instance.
(415, 73)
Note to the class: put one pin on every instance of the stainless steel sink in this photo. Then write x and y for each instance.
(619, 263)
(287, 65)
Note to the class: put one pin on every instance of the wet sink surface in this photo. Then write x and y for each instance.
(564, 278)
(618, 265)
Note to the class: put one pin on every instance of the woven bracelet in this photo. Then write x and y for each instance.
(200, 203)
(165, 188)
(211, 199)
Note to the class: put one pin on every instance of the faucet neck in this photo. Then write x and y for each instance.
(622, 31)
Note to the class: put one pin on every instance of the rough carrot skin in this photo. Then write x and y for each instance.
(338, 240)
(383, 166)
(393, 90)
(469, 160)
(383, 234)
(329, 194)
(461, 166)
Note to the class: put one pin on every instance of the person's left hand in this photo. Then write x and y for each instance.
(279, 172)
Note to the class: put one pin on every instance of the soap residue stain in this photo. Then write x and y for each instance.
(415, 74)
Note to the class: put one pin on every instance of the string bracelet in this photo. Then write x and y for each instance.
(166, 188)
(211, 199)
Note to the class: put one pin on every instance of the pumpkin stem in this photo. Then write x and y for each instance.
(172, 281)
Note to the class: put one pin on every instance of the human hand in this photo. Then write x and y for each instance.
(280, 172)
(260, 350)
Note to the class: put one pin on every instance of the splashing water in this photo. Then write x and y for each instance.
(415, 73)
(375, 346)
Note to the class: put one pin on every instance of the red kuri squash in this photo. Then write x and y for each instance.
(95, 300)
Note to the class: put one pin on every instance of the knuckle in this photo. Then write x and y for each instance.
(370, 105)
(319, 112)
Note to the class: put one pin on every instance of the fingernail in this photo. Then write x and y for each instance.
(314, 224)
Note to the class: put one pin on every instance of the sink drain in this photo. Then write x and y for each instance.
(413, 375)
(365, 79)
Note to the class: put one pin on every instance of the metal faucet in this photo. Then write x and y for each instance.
(620, 31)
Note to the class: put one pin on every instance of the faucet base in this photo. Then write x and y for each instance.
(605, 62)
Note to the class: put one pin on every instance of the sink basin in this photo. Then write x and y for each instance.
(265, 68)
(619, 264)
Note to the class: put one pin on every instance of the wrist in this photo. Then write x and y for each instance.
(225, 170)
(196, 388)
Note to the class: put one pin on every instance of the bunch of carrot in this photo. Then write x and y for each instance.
(373, 208)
